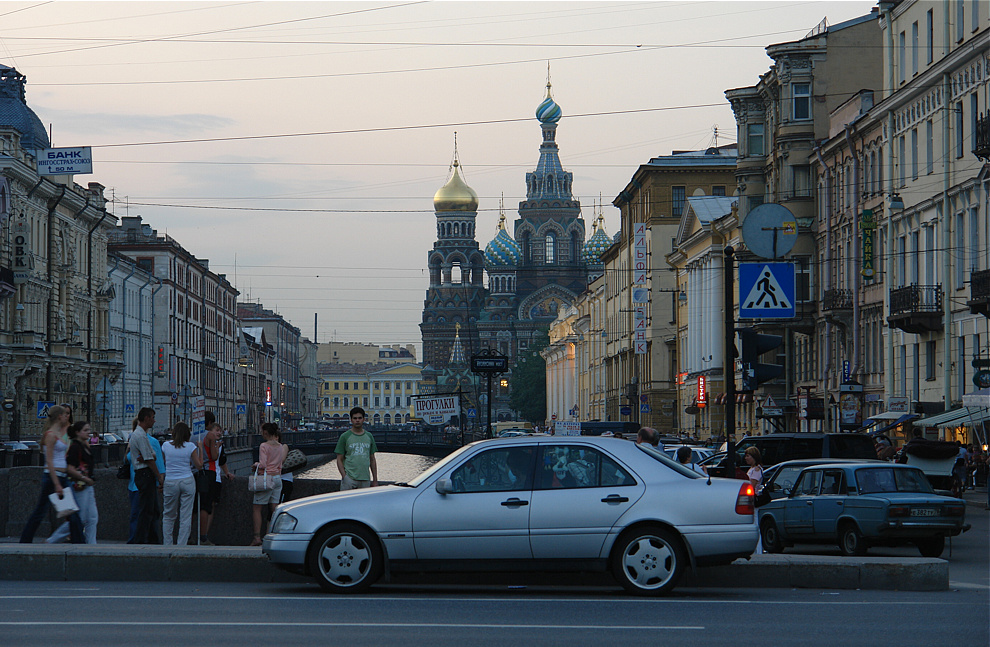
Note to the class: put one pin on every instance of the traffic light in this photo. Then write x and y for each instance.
(754, 345)
(161, 361)
(632, 392)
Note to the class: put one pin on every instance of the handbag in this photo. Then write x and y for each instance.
(294, 460)
(124, 471)
(261, 482)
(64, 506)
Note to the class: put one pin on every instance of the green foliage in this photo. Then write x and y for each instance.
(528, 384)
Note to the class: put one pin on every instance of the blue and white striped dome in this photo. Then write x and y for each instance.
(503, 251)
(597, 244)
(548, 112)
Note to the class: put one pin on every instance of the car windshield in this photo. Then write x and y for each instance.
(439, 466)
(658, 455)
(887, 479)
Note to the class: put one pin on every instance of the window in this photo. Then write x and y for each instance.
(755, 201)
(496, 470)
(570, 466)
(345, 402)
(336, 386)
(902, 57)
(930, 147)
(551, 249)
(914, 153)
(677, 197)
(365, 401)
(959, 129)
(718, 190)
(930, 360)
(387, 401)
(801, 181)
(809, 483)
(801, 95)
(914, 48)
(960, 267)
(930, 30)
(754, 139)
(960, 20)
(377, 385)
(902, 159)
(336, 403)
(378, 402)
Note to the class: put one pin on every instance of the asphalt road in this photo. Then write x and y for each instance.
(125, 614)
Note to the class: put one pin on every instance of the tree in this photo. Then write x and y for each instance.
(528, 384)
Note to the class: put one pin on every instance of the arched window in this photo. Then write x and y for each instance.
(388, 419)
(457, 228)
(551, 249)
(527, 252)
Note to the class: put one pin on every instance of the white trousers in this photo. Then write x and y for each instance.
(86, 500)
(179, 497)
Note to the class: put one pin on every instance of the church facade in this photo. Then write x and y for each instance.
(534, 273)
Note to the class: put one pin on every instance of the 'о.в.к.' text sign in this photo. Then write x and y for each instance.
(448, 405)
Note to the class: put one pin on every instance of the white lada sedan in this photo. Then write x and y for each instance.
(531, 503)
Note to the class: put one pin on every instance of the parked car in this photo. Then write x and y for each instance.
(530, 503)
(512, 433)
(779, 479)
(13, 445)
(777, 448)
(111, 439)
(858, 505)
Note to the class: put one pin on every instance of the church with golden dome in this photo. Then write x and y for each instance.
(534, 272)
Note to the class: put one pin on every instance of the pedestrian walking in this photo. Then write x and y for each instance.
(270, 456)
(148, 479)
(356, 455)
(55, 443)
(79, 466)
(181, 455)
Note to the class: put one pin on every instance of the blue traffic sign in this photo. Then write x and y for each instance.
(241, 408)
(766, 290)
(43, 407)
(472, 413)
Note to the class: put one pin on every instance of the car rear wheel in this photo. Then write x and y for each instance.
(932, 546)
(648, 561)
(770, 535)
(851, 541)
(345, 558)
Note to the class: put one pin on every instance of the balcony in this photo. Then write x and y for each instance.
(7, 286)
(916, 308)
(979, 293)
(834, 300)
(981, 140)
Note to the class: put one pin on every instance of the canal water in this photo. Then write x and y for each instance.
(391, 467)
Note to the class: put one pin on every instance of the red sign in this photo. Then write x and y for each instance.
(702, 391)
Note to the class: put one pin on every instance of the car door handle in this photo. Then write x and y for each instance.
(514, 502)
(615, 498)
(810, 502)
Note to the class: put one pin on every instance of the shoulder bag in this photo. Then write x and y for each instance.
(260, 481)
(294, 460)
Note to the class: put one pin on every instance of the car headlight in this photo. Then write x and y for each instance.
(284, 523)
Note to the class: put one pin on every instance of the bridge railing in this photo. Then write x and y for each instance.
(383, 438)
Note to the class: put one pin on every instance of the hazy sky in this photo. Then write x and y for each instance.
(298, 145)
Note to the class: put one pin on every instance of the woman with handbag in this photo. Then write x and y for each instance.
(269, 466)
(180, 484)
(55, 442)
(79, 466)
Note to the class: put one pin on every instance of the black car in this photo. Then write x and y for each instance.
(778, 448)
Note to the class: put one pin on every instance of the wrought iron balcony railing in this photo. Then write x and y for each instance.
(837, 300)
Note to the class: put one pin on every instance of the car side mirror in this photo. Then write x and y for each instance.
(776, 487)
(444, 486)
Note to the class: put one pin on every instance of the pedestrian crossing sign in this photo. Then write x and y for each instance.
(766, 290)
(43, 408)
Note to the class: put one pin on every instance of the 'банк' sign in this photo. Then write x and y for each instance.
(439, 406)
(65, 161)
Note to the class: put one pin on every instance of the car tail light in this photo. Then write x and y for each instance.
(898, 511)
(746, 500)
(955, 510)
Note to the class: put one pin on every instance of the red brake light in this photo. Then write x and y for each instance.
(898, 511)
(746, 500)
(955, 510)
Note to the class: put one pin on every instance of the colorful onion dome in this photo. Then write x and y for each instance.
(597, 244)
(548, 112)
(455, 195)
(503, 251)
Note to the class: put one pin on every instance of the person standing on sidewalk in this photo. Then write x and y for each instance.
(147, 477)
(215, 464)
(180, 484)
(356, 455)
(270, 456)
(79, 465)
(55, 442)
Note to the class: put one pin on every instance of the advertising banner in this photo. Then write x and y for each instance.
(65, 161)
(444, 406)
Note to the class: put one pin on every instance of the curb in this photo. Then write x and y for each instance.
(130, 563)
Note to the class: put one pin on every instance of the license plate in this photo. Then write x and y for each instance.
(924, 512)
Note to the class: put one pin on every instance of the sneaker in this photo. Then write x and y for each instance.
(205, 542)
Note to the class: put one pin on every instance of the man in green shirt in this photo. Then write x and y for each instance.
(356, 455)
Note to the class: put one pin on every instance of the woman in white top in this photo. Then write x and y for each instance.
(54, 442)
(180, 485)
(755, 476)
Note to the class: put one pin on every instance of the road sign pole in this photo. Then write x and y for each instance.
(729, 360)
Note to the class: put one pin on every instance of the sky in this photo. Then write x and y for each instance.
(298, 145)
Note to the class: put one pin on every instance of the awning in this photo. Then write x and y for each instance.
(904, 418)
(890, 415)
(980, 399)
(955, 418)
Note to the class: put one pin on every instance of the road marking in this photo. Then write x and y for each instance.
(358, 625)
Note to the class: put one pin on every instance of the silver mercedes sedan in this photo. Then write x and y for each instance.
(530, 503)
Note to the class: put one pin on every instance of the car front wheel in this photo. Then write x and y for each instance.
(648, 561)
(345, 558)
(851, 542)
(932, 546)
(770, 535)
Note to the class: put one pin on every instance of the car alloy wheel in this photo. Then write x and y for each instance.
(931, 546)
(345, 558)
(770, 535)
(648, 561)
(851, 542)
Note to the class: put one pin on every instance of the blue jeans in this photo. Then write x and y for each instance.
(47, 487)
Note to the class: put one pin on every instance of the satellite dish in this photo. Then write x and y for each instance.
(770, 230)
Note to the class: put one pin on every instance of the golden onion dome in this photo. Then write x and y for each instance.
(455, 195)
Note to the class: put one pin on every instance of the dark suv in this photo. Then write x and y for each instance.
(777, 448)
